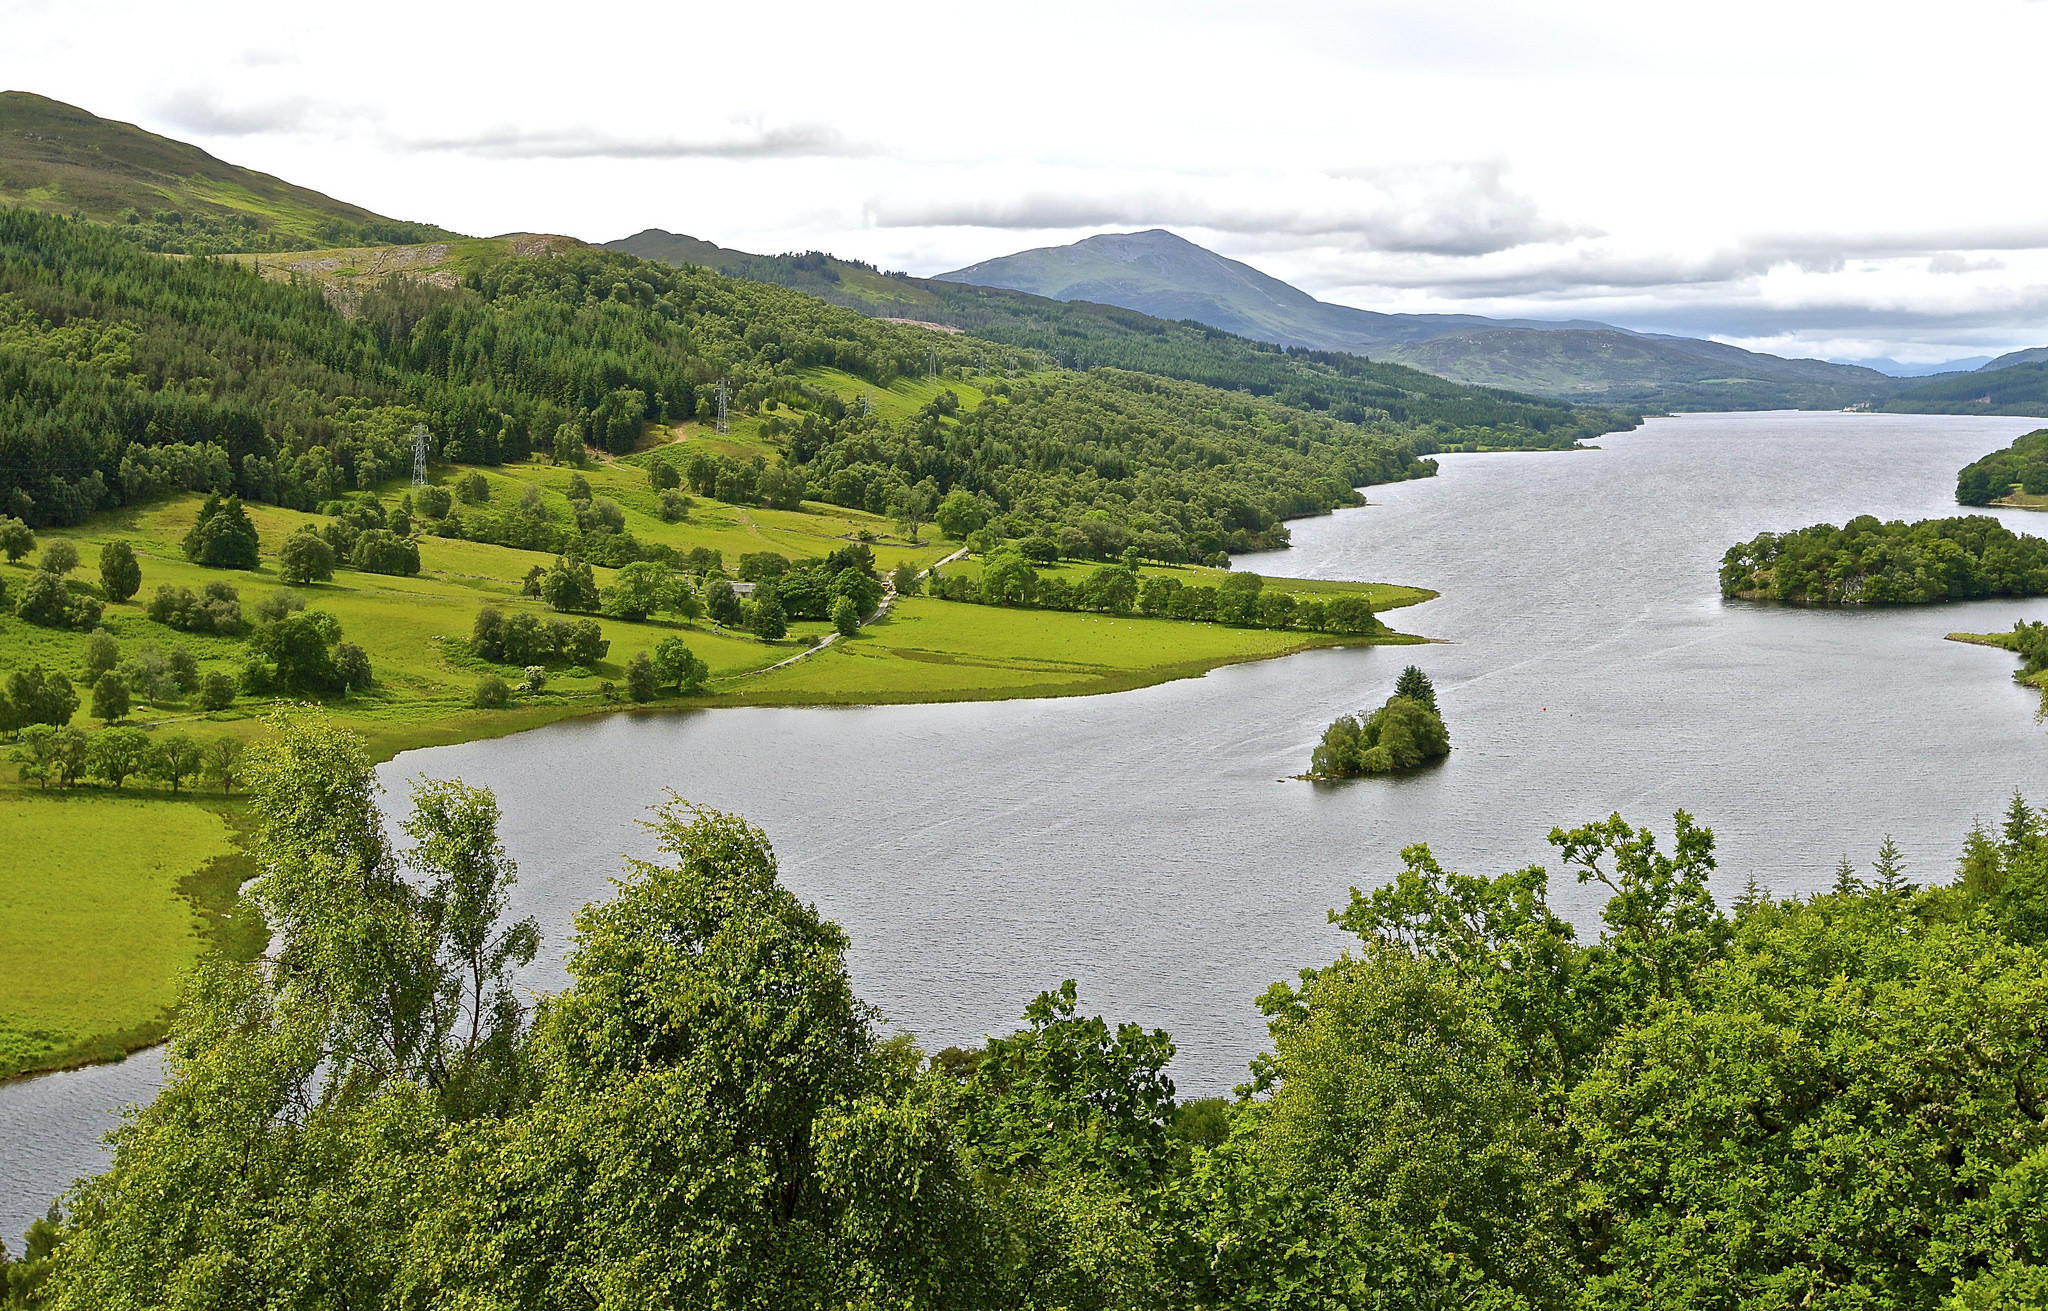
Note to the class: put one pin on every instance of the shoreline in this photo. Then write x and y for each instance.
(385, 745)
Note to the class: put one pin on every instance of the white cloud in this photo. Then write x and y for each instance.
(1828, 172)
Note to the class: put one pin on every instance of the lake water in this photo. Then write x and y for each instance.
(1151, 845)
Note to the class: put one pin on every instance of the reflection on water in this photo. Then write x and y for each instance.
(1147, 844)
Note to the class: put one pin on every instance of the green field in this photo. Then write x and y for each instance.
(105, 902)
(929, 650)
(116, 894)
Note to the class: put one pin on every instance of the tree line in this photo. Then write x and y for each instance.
(1836, 1100)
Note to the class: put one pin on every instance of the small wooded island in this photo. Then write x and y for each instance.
(1869, 562)
(1405, 733)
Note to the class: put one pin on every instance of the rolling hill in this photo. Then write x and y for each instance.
(65, 160)
(1997, 388)
(1086, 334)
(1163, 274)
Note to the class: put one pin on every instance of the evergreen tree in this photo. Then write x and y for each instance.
(1415, 685)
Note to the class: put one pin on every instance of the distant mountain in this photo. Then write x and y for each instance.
(1168, 276)
(1893, 368)
(1084, 334)
(2031, 355)
(62, 159)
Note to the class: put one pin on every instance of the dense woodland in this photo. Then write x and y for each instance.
(123, 374)
(1870, 562)
(2016, 389)
(2020, 467)
(1833, 1102)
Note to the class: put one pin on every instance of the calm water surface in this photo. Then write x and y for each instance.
(1147, 844)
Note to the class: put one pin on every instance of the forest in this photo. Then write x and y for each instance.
(124, 375)
(1868, 562)
(2020, 468)
(1836, 1101)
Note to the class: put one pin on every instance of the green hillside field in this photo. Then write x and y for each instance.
(169, 866)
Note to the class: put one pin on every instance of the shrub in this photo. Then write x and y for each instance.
(216, 691)
(217, 608)
(492, 693)
(473, 489)
(48, 601)
(379, 551)
(434, 502)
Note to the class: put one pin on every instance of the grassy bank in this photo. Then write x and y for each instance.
(107, 902)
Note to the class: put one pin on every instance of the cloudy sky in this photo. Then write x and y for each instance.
(1845, 180)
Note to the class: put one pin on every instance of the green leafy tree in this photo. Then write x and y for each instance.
(722, 603)
(1007, 578)
(641, 678)
(905, 579)
(39, 698)
(174, 759)
(492, 693)
(569, 585)
(110, 698)
(223, 763)
(1415, 685)
(637, 591)
(120, 572)
(222, 536)
(102, 654)
(16, 540)
(305, 558)
(714, 1123)
(59, 557)
(765, 619)
(473, 488)
(116, 755)
(216, 691)
(845, 616)
(677, 666)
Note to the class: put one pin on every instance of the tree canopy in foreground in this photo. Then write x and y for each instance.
(1831, 1102)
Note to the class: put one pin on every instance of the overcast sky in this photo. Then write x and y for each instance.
(1815, 178)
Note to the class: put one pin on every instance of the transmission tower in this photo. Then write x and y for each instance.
(724, 394)
(419, 456)
(931, 362)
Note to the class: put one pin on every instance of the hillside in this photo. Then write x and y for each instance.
(1163, 274)
(169, 195)
(2019, 388)
(1084, 334)
(2031, 355)
(1634, 369)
